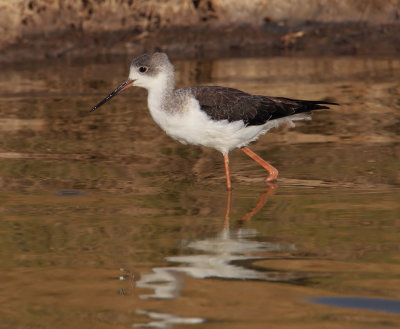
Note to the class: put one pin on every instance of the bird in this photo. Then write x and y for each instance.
(218, 117)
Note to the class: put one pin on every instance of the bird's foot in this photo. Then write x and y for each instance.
(272, 177)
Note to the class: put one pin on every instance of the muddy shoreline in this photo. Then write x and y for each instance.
(205, 42)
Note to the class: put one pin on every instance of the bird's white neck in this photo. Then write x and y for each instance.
(161, 92)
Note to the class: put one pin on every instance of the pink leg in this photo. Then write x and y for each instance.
(228, 209)
(272, 171)
(228, 177)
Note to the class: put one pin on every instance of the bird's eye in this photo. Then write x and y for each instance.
(143, 69)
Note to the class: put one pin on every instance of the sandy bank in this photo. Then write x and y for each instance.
(39, 29)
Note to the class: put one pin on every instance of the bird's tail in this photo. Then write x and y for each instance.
(316, 105)
(301, 106)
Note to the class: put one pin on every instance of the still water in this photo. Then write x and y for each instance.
(105, 222)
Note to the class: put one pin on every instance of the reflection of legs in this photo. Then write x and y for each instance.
(272, 171)
(228, 177)
(272, 187)
(228, 209)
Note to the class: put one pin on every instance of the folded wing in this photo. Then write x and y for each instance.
(221, 103)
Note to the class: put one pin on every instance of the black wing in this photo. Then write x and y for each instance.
(222, 103)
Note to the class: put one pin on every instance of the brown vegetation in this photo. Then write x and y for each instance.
(38, 29)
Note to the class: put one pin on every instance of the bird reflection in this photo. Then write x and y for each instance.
(164, 320)
(226, 255)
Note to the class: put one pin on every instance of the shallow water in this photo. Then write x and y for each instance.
(108, 223)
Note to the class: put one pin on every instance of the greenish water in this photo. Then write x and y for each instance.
(105, 222)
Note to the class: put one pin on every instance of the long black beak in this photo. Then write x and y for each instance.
(128, 83)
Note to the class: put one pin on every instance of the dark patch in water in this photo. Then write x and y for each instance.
(69, 193)
(375, 304)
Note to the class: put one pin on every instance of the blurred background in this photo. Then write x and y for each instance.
(39, 29)
(106, 222)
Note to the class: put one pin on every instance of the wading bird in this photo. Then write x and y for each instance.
(218, 117)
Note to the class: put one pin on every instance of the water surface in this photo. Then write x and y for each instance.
(108, 223)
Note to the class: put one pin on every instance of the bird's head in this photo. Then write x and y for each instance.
(147, 71)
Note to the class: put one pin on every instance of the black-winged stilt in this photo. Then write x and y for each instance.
(218, 117)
